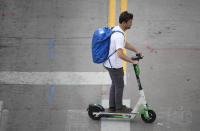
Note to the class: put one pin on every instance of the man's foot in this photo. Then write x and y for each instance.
(124, 110)
(111, 109)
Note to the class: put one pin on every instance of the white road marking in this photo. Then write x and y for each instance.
(56, 78)
(4, 120)
(115, 125)
(1, 105)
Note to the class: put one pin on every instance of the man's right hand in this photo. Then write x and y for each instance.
(121, 55)
(135, 62)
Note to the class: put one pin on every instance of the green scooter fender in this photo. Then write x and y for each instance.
(143, 111)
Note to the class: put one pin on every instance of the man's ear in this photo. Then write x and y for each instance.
(123, 22)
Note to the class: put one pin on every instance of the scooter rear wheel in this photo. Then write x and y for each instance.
(151, 118)
(91, 115)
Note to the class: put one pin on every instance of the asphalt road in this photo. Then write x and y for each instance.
(166, 31)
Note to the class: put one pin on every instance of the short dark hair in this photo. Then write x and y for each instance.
(125, 16)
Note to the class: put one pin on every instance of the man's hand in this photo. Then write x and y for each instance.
(138, 52)
(135, 62)
(131, 48)
(121, 55)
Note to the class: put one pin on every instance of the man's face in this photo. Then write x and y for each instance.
(128, 24)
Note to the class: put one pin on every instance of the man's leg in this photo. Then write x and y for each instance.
(112, 90)
(116, 90)
(112, 96)
(117, 76)
(119, 88)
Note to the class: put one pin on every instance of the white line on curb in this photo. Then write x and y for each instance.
(115, 125)
(56, 78)
(4, 120)
(1, 105)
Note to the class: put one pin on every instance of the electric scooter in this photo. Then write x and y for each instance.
(96, 111)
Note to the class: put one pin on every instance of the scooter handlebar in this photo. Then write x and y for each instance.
(137, 57)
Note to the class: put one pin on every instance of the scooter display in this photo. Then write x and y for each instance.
(148, 115)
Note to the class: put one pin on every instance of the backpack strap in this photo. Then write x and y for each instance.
(110, 56)
(115, 50)
(119, 32)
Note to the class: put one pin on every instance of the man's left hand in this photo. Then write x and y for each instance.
(139, 52)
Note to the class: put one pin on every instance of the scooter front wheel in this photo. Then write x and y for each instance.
(151, 118)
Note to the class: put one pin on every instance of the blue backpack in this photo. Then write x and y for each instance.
(101, 45)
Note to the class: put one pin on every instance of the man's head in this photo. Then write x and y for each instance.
(125, 20)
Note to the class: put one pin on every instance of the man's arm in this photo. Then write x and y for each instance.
(131, 48)
(121, 55)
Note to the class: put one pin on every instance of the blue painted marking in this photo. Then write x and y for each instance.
(51, 94)
(52, 49)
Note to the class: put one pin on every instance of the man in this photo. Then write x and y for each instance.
(114, 64)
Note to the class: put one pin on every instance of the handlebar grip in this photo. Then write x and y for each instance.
(137, 54)
(137, 57)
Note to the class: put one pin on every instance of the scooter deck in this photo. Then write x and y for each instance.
(108, 111)
(108, 114)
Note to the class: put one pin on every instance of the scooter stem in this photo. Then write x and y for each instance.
(137, 72)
